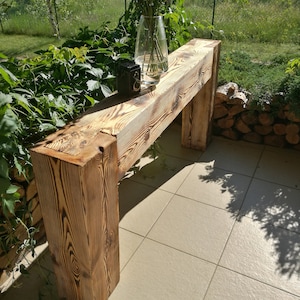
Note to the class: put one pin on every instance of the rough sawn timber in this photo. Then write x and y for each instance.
(77, 169)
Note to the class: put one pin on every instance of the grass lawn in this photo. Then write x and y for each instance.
(263, 51)
(22, 45)
(268, 31)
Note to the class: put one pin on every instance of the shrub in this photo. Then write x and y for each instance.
(42, 93)
(290, 86)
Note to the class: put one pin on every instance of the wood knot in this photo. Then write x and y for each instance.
(101, 149)
(82, 143)
(147, 135)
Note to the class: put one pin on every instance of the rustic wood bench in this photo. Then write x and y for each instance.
(77, 169)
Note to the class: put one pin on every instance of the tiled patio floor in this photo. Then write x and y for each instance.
(224, 224)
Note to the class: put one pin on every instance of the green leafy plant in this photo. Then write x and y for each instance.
(38, 96)
(152, 8)
(293, 66)
(178, 25)
(290, 86)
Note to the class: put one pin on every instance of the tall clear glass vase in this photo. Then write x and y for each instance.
(151, 49)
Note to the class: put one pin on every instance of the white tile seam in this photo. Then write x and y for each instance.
(242, 203)
(183, 181)
(181, 251)
(144, 236)
(205, 203)
(278, 183)
(132, 255)
(255, 279)
(227, 240)
(167, 204)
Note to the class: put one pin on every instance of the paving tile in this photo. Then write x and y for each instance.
(214, 186)
(132, 194)
(189, 233)
(162, 273)
(165, 172)
(235, 156)
(141, 206)
(129, 242)
(170, 144)
(266, 253)
(194, 228)
(280, 166)
(228, 285)
(274, 204)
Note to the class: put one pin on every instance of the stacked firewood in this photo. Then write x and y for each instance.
(235, 117)
(28, 192)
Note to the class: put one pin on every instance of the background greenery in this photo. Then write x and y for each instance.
(264, 21)
(264, 29)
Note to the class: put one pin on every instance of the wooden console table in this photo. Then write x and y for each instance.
(77, 169)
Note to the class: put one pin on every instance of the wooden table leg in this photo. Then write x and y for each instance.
(197, 115)
(79, 204)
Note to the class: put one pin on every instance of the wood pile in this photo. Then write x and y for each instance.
(28, 192)
(235, 118)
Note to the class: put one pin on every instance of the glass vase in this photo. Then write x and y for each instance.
(151, 49)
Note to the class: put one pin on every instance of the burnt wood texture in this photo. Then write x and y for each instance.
(77, 169)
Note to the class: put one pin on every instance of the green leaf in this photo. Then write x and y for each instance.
(18, 165)
(85, 66)
(4, 170)
(36, 109)
(97, 72)
(125, 56)
(2, 55)
(91, 99)
(59, 122)
(8, 206)
(8, 76)
(105, 90)
(105, 51)
(9, 122)
(22, 101)
(5, 99)
(12, 189)
(46, 127)
(93, 85)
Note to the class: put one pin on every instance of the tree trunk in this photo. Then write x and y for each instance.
(51, 5)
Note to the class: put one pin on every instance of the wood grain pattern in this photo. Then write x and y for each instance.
(137, 122)
(77, 168)
(80, 210)
(198, 114)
